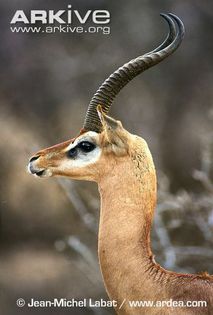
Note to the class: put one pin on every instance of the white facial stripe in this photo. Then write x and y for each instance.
(88, 136)
(82, 159)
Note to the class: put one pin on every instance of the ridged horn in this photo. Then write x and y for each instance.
(118, 79)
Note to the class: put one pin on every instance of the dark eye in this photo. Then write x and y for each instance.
(86, 146)
(72, 152)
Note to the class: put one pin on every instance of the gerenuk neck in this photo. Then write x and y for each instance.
(128, 198)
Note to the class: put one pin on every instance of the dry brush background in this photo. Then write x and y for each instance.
(49, 228)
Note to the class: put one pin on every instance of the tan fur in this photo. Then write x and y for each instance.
(127, 183)
(128, 196)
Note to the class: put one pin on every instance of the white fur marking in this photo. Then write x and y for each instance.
(88, 136)
(82, 158)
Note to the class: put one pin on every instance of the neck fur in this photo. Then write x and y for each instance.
(128, 198)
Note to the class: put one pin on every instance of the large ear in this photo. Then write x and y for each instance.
(108, 123)
(115, 137)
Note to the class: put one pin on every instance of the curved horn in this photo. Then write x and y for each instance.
(117, 80)
(170, 37)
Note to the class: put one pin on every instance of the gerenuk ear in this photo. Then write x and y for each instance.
(108, 123)
(114, 136)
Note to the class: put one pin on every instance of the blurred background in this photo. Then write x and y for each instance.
(49, 227)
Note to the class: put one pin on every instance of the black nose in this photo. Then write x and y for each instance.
(34, 158)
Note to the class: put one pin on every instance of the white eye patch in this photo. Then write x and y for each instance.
(82, 158)
(90, 136)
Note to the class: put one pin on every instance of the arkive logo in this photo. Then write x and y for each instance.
(69, 20)
(61, 16)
